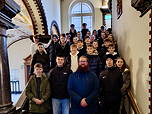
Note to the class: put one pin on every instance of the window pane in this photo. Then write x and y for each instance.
(108, 16)
(81, 13)
(77, 22)
(76, 8)
(108, 20)
(108, 23)
(88, 20)
(86, 8)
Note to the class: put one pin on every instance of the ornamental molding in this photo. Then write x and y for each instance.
(142, 5)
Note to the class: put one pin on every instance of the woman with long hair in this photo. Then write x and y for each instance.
(121, 64)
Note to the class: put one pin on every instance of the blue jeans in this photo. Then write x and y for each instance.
(60, 105)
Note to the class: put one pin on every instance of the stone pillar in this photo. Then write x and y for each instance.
(8, 9)
(5, 96)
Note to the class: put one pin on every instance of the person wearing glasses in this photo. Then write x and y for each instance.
(83, 89)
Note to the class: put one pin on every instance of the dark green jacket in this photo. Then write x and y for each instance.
(45, 94)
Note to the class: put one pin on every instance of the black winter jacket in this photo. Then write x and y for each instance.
(58, 78)
(40, 58)
(110, 84)
(59, 49)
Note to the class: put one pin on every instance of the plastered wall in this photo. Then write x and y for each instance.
(132, 34)
(52, 10)
(16, 54)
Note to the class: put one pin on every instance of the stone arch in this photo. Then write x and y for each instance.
(37, 14)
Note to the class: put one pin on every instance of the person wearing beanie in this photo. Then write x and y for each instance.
(110, 87)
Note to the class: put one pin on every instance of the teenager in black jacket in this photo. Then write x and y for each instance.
(58, 78)
(110, 87)
(42, 57)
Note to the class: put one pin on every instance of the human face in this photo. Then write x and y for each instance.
(60, 61)
(62, 39)
(87, 41)
(109, 62)
(68, 36)
(75, 41)
(73, 50)
(78, 34)
(111, 50)
(90, 50)
(83, 62)
(95, 33)
(107, 43)
(55, 39)
(119, 63)
(103, 35)
(38, 71)
(95, 44)
(84, 27)
(88, 33)
(107, 32)
(40, 48)
(92, 38)
(110, 37)
(80, 44)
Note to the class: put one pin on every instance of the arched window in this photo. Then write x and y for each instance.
(81, 12)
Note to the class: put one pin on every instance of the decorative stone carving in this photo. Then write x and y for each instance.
(108, 9)
(8, 9)
(142, 5)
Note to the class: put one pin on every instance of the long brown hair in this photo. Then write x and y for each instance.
(124, 63)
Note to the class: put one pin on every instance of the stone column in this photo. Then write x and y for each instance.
(5, 91)
(8, 9)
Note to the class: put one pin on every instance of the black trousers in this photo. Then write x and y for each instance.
(110, 108)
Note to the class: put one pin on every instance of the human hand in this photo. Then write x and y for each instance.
(37, 101)
(83, 102)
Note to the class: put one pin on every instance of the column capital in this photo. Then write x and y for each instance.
(8, 10)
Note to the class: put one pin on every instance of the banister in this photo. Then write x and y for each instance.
(133, 103)
(22, 101)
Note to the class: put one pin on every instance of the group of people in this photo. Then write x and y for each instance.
(78, 73)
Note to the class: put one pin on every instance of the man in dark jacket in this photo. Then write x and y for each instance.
(62, 47)
(51, 50)
(72, 32)
(110, 91)
(83, 89)
(84, 30)
(95, 64)
(41, 57)
(58, 80)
